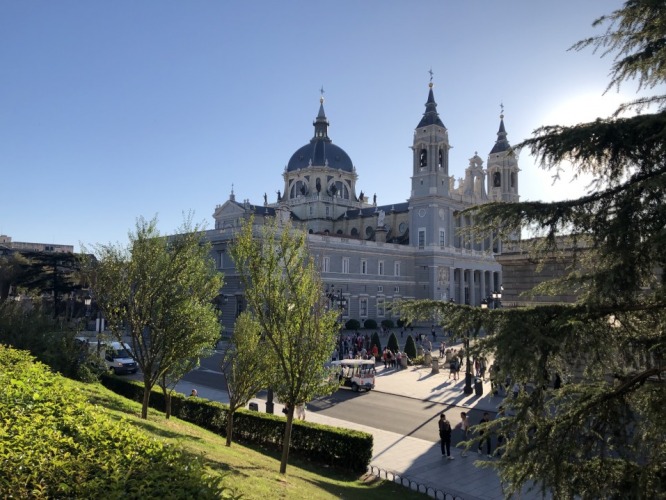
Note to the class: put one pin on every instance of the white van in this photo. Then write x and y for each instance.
(118, 358)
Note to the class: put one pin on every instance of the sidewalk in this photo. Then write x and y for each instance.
(415, 459)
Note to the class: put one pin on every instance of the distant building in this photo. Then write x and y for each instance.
(374, 254)
(6, 241)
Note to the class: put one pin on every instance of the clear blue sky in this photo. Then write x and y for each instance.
(114, 110)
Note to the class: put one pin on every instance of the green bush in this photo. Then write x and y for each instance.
(343, 448)
(370, 324)
(402, 322)
(387, 323)
(374, 340)
(393, 343)
(352, 324)
(47, 339)
(56, 445)
(410, 347)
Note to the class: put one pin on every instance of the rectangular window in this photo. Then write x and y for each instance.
(345, 265)
(422, 238)
(396, 289)
(363, 307)
(442, 238)
(364, 266)
(380, 288)
(396, 268)
(380, 268)
(327, 211)
(381, 308)
(326, 266)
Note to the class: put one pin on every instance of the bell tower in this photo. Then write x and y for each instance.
(430, 171)
(503, 168)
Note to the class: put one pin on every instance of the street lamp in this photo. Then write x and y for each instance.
(496, 297)
(339, 300)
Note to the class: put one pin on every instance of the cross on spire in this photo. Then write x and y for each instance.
(431, 73)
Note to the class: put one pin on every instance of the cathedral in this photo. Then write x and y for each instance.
(370, 255)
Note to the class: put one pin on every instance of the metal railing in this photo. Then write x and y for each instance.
(411, 484)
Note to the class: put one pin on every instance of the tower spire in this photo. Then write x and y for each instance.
(321, 122)
(430, 117)
(502, 143)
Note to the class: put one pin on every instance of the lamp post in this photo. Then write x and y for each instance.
(339, 300)
(497, 297)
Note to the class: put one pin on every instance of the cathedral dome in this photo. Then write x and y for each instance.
(320, 153)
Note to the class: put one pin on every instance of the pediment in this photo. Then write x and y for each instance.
(228, 210)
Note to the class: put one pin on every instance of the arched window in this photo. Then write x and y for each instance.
(423, 158)
(497, 179)
(440, 161)
(513, 179)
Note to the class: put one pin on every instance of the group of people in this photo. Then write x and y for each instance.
(394, 359)
(465, 426)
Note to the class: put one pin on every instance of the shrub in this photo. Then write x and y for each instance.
(393, 343)
(352, 324)
(387, 323)
(48, 340)
(343, 448)
(370, 324)
(410, 347)
(375, 341)
(402, 322)
(56, 445)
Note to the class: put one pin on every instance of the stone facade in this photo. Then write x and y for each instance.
(376, 254)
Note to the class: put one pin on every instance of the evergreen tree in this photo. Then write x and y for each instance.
(392, 343)
(410, 347)
(602, 434)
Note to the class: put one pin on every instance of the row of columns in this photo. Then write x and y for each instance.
(463, 285)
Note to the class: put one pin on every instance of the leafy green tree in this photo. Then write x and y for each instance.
(601, 435)
(246, 363)
(285, 298)
(410, 347)
(392, 343)
(160, 291)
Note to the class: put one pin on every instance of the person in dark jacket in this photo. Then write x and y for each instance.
(445, 436)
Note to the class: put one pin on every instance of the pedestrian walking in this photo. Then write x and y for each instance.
(300, 411)
(485, 436)
(442, 348)
(445, 436)
(464, 427)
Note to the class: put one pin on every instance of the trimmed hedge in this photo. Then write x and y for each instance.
(342, 448)
(55, 444)
(370, 324)
(352, 324)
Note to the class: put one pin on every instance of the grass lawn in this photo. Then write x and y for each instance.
(252, 472)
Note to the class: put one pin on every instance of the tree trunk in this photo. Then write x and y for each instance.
(230, 424)
(146, 399)
(167, 404)
(286, 440)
